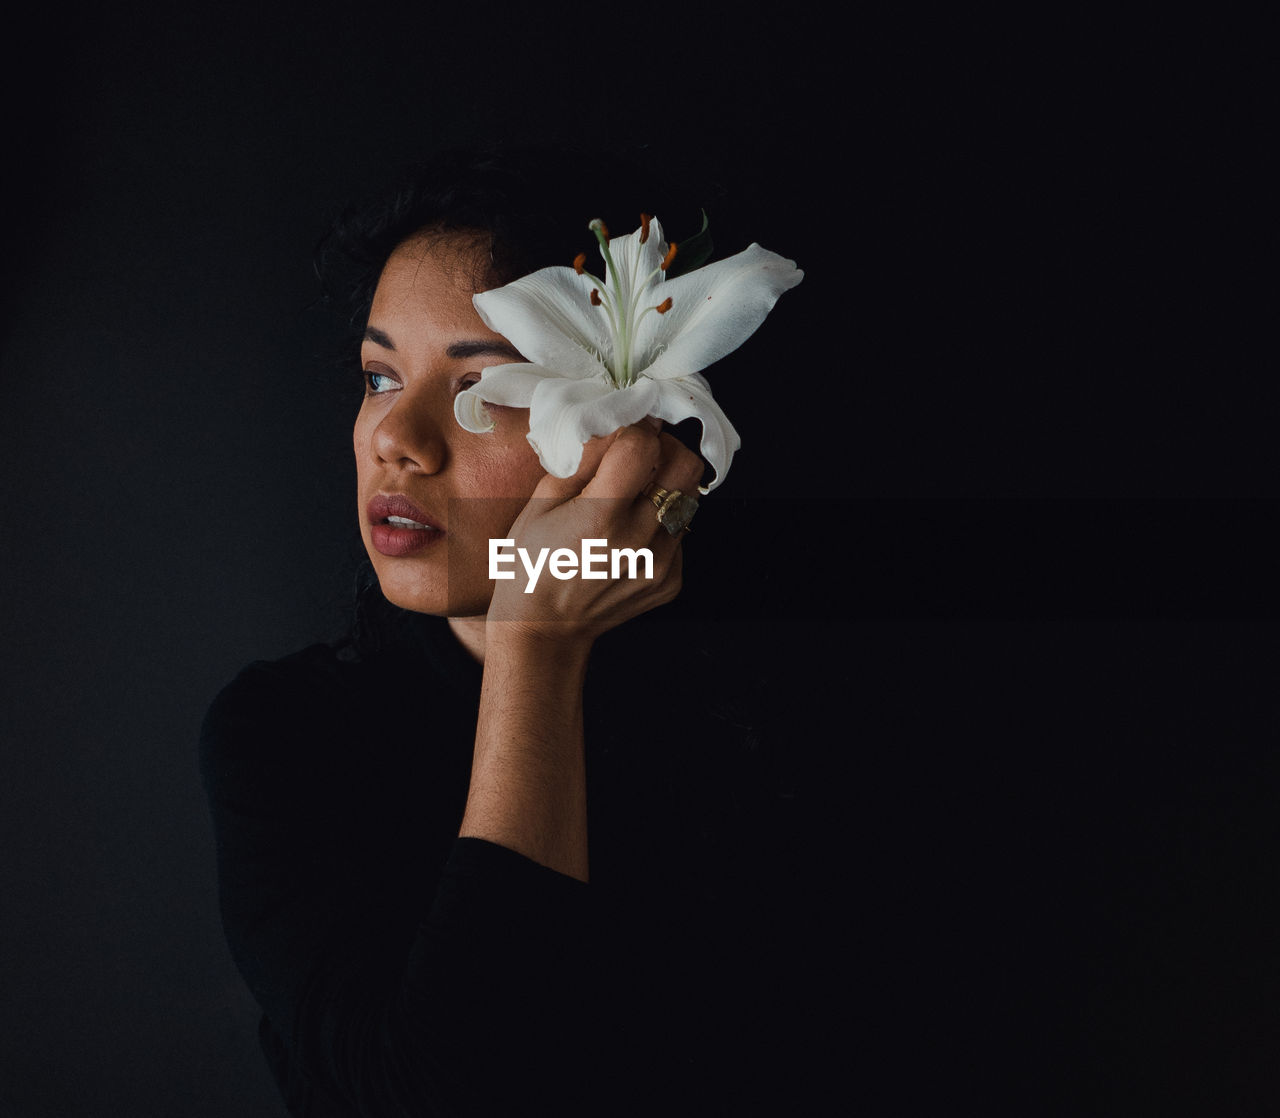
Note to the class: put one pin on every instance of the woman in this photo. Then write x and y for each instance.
(402, 818)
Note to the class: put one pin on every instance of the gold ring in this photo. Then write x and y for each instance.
(675, 509)
(656, 494)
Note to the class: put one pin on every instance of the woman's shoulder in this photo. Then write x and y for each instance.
(273, 727)
(290, 690)
(326, 677)
(321, 712)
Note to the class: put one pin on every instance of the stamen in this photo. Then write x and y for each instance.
(671, 255)
(664, 306)
(580, 262)
(595, 296)
(644, 227)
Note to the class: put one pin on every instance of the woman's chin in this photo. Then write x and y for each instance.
(432, 596)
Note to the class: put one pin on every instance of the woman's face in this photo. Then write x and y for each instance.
(432, 495)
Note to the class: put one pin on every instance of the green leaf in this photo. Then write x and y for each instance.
(693, 252)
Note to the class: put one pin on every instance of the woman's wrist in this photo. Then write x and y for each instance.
(528, 780)
(558, 649)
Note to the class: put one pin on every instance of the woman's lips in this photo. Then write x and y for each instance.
(388, 539)
(398, 527)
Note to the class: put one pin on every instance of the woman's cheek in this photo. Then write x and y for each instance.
(512, 464)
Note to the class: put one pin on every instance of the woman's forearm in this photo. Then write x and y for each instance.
(528, 775)
(528, 788)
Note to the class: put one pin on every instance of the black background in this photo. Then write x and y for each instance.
(1008, 470)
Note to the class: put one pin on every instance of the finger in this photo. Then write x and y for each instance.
(678, 470)
(560, 489)
(627, 465)
(678, 466)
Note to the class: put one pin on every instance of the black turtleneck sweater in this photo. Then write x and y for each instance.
(402, 970)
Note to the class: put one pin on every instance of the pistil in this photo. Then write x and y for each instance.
(621, 301)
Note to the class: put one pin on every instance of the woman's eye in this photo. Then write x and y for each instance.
(377, 383)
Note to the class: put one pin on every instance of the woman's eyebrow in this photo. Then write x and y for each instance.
(484, 347)
(478, 347)
(373, 334)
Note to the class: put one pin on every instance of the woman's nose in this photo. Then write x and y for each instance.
(410, 437)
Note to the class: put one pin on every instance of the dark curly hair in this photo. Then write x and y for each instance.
(524, 208)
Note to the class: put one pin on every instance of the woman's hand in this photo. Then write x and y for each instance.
(528, 787)
(606, 499)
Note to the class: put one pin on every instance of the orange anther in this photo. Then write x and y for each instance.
(579, 262)
(664, 306)
(595, 296)
(644, 227)
(671, 255)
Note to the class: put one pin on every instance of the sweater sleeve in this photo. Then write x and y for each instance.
(438, 1000)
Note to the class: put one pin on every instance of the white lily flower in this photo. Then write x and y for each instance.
(604, 354)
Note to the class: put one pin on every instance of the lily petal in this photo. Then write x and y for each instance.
(509, 385)
(565, 414)
(548, 317)
(469, 411)
(714, 309)
(512, 385)
(690, 398)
